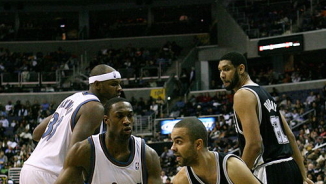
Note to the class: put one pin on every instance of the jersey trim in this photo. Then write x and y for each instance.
(112, 159)
(192, 178)
(143, 160)
(259, 103)
(92, 161)
(73, 116)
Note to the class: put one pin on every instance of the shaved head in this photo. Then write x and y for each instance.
(101, 69)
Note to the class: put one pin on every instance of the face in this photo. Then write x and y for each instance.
(120, 120)
(184, 149)
(110, 88)
(228, 74)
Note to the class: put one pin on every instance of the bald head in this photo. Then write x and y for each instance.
(101, 69)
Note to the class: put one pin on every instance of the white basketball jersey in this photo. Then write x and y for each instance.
(107, 170)
(52, 149)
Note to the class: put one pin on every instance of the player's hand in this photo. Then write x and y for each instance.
(308, 181)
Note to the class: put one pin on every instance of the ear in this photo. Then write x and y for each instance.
(242, 68)
(199, 144)
(106, 119)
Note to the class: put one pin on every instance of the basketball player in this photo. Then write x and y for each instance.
(76, 118)
(115, 156)
(190, 140)
(267, 144)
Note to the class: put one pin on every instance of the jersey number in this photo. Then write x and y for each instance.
(281, 137)
(52, 126)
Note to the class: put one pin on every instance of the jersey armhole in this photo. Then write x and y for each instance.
(143, 161)
(92, 161)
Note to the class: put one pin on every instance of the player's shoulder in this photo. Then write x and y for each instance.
(80, 154)
(92, 106)
(81, 149)
(181, 176)
(233, 160)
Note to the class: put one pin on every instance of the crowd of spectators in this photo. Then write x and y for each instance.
(139, 66)
(17, 122)
(265, 18)
(27, 65)
(133, 63)
(257, 18)
(107, 24)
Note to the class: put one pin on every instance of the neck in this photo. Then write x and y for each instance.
(204, 161)
(114, 142)
(207, 160)
(244, 80)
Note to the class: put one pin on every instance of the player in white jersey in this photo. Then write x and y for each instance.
(115, 156)
(76, 118)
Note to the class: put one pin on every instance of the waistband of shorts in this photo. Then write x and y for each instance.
(274, 162)
(29, 167)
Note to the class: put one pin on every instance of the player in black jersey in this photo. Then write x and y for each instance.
(267, 143)
(190, 142)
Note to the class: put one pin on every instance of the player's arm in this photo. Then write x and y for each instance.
(245, 105)
(181, 177)
(296, 152)
(78, 158)
(39, 129)
(90, 116)
(153, 166)
(239, 172)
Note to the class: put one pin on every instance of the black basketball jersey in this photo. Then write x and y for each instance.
(222, 176)
(275, 142)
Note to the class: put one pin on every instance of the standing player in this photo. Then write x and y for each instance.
(190, 140)
(77, 117)
(267, 144)
(115, 156)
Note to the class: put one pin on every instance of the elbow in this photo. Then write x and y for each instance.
(255, 147)
(36, 137)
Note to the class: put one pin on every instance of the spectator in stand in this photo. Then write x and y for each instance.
(184, 76)
(2, 131)
(160, 101)
(23, 112)
(163, 176)
(287, 78)
(320, 101)
(35, 110)
(168, 180)
(2, 110)
(283, 100)
(295, 77)
(141, 106)
(206, 98)
(167, 160)
(3, 159)
(4, 121)
(9, 108)
(192, 78)
(45, 105)
(295, 114)
(298, 104)
(310, 98)
(17, 106)
(154, 108)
